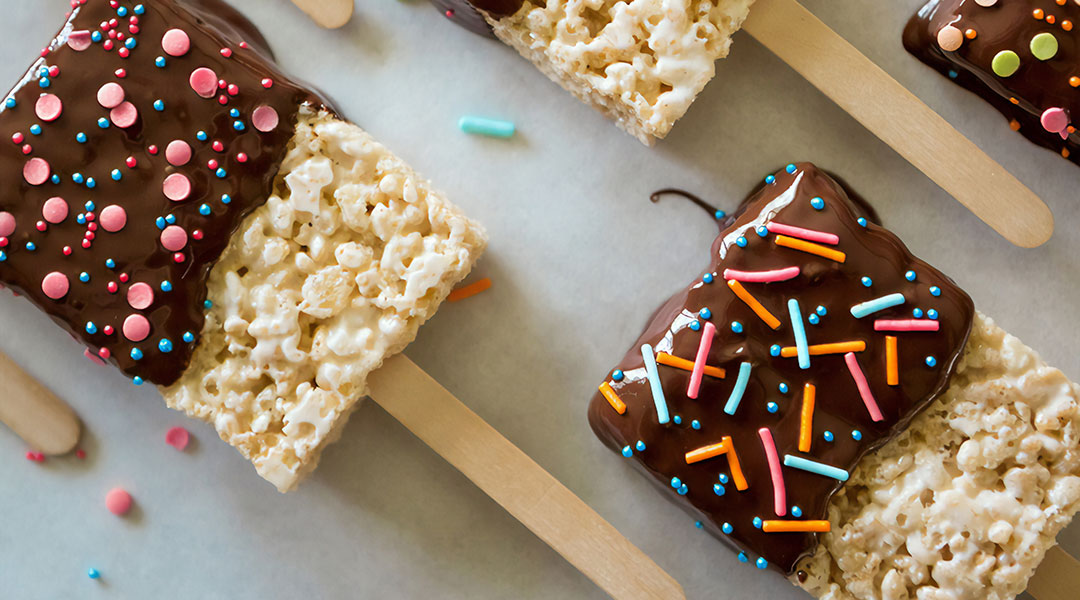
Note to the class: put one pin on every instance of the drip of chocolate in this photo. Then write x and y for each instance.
(1019, 55)
(874, 264)
(466, 13)
(140, 141)
(714, 212)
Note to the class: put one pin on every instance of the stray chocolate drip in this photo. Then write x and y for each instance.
(461, 12)
(129, 164)
(714, 212)
(799, 196)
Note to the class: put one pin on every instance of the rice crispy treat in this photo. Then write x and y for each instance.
(640, 62)
(836, 410)
(212, 227)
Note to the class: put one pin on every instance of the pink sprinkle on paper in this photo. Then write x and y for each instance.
(118, 501)
(178, 438)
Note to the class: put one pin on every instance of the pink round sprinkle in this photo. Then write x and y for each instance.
(265, 118)
(178, 438)
(113, 218)
(55, 210)
(36, 171)
(140, 296)
(55, 285)
(48, 107)
(174, 238)
(110, 95)
(1055, 119)
(7, 224)
(177, 187)
(204, 82)
(124, 116)
(175, 42)
(118, 501)
(136, 328)
(178, 153)
(79, 40)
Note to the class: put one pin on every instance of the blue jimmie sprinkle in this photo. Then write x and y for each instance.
(801, 345)
(817, 203)
(815, 467)
(654, 383)
(774, 350)
(640, 446)
(93, 574)
(740, 388)
(617, 375)
(91, 328)
(877, 304)
(727, 528)
(483, 126)
(861, 221)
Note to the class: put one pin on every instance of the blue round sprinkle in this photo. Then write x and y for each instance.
(741, 242)
(762, 231)
(121, 12)
(918, 313)
(719, 214)
(727, 528)
(772, 407)
(790, 169)
(774, 350)
(718, 489)
(677, 419)
(10, 103)
(861, 221)
(93, 574)
(705, 313)
(170, 219)
(103, 123)
(117, 175)
(208, 304)
(821, 310)
(90, 205)
(55, 178)
(204, 210)
(617, 375)
(35, 129)
(699, 524)
(683, 490)
(761, 563)
(110, 263)
(31, 246)
(160, 62)
(78, 178)
(189, 337)
(723, 478)
(131, 43)
(226, 199)
(91, 183)
(817, 203)
(159, 105)
(829, 436)
(695, 424)
(165, 345)
(933, 314)
(139, 9)
(137, 380)
(796, 512)
(743, 557)
(640, 446)
(201, 136)
(220, 173)
(867, 282)
(166, 286)
(3, 256)
(814, 319)
(160, 222)
(736, 327)
(238, 125)
(910, 275)
(84, 277)
(856, 435)
(80, 219)
(707, 278)
(44, 82)
(770, 179)
(783, 388)
(96, 36)
(91, 328)
(935, 290)
(675, 482)
(234, 113)
(627, 452)
(757, 522)
(136, 354)
(953, 74)
(695, 325)
(931, 361)
(80, 137)
(43, 72)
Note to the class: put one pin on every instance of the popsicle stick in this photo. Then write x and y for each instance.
(517, 483)
(901, 120)
(330, 14)
(1057, 578)
(46, 423)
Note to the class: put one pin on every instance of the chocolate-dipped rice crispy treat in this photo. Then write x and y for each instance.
(211, 226)
(1020, 55)
(640, 62)
(835, 408)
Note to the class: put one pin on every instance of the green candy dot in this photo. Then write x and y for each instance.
(1044, 46)
(1005, 63)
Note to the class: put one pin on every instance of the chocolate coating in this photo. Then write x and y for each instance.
(871, 251)
(135, 251)
(1007, 25)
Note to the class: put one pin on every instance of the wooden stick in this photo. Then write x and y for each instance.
(330, 14)
(1057, 578)
(901, 120)
(42, 420)
(517, 483)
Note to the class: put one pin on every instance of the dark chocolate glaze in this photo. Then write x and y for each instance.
(871, 251)
(138, 254)
(462, 13)
(1007, 25)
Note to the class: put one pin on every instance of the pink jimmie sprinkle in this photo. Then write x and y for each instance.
(55, 210)
(906, 325)
(55, 285)
(124, 116)
(48, 107)
(110, 95)
(762, 276)
(699, 362)
(265, 118)
(118, 501)
(807, 234)
(178, 438)
(36, 171)
(864, 387)
(113, 218)
(136, 328)
(204, 82)
(175, 42)
(779, 491)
